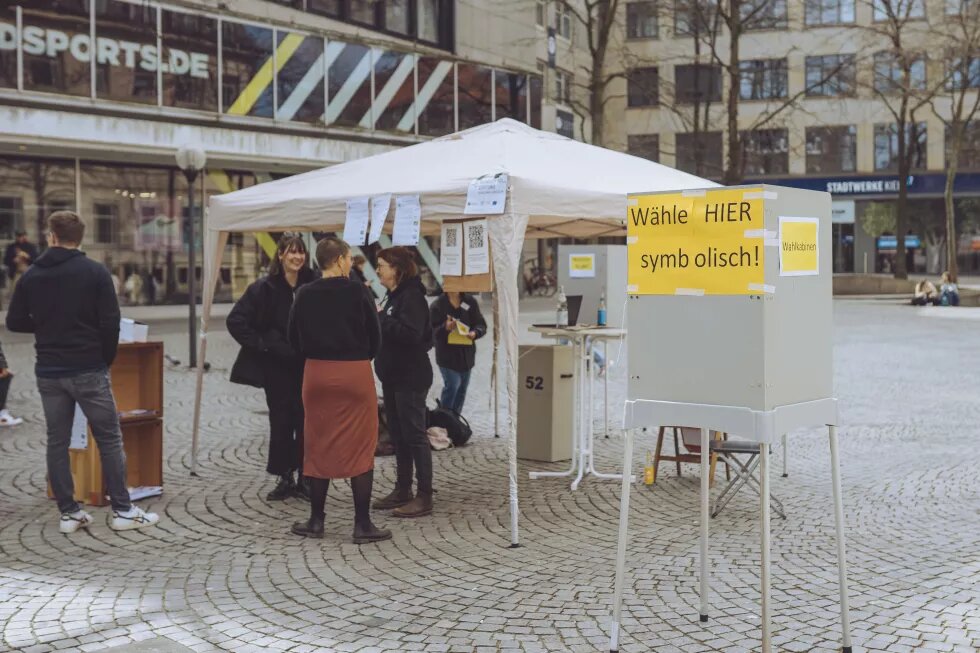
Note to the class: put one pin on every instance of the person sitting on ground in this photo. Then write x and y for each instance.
(925, 293)
(949, 293)
(67, 301)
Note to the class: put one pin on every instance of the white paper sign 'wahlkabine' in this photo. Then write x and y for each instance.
(487, 195)
(408, 220)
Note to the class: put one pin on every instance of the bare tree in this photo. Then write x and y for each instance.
(961, 101)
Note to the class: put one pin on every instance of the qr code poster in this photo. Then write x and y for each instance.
(476, 247)
(451, 250)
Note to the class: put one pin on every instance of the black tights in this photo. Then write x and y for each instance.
(360, 486)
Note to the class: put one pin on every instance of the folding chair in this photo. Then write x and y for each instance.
(745, 472)
(691, 438)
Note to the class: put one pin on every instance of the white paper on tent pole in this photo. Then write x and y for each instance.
(487, 195)
(477, 247)
(356, 226)
(451, 251)
(379, 214)
(79, 430)
(408, 220)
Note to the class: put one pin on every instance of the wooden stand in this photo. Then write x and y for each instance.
(137, 383)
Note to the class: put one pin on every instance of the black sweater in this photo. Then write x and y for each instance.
(260, 319)
(403, 362)
(335, 320)
(69, 303)
(459, 358)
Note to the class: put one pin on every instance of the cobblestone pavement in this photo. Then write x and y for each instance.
(222, 573)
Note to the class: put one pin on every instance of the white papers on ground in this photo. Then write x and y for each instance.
(408, 220)
(451, 250)
(487, 195)
(379, 214)
(477, 247)
(356, 226)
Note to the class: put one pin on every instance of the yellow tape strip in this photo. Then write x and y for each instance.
(250, 95)
(267, 243)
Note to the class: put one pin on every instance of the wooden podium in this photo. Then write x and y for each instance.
(137, 383)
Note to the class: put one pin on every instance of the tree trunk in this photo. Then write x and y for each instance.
(904, 164)
(951, 168)
(733, 169)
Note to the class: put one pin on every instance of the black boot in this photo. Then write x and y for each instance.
(283, 490)
(313, 527)
(365, 531)
(302, 488)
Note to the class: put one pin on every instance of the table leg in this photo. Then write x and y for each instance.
(581, 410)
(705, 492)
(624, 511)
(841, 553)
(605, 388)
(785, 455)
(764, 545)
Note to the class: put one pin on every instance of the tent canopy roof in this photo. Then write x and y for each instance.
(565, 187)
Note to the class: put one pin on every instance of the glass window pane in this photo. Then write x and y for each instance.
(394, 87)
(435, 100)
(537, 96)
(699, 153)
(350, 85)
(190, 53)
(474, 95)
(8, 51)
(429, 19)
(125, 34)
(364, 11)
(646, 146)
(30, 190)
(324, 7)
(245, 50)
(57, 47)
(511, 95)
(300, 77)
(396, 16)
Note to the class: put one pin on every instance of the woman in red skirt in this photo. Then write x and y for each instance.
(334, 326)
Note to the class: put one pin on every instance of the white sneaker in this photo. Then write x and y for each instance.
(132, 520)
(6, 419)
(72, 521)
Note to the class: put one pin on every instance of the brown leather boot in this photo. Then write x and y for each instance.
(420, 506)
(398, 497)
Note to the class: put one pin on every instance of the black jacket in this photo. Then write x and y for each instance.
(459, 358)
(69, 303)
(335, 320)
(10, 256)
(259, 322)
(406, 337)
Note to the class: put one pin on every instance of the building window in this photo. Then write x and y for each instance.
(565, 123)
(886, 146)
(766, 152)
(763, 14)
(763, 79)
(969, 147)
(11, 216)
(324, 7)
(697, 83)
(889, 73)
(958, 7)
(693, 17)
(434, 22)
(563, 86)
(642, 87)
(963, 73)
(831, 149)
(541, 13)
(830, 75)
(641, 20)
(699, 153)
(364, 11)
(829, 12)
(106, 219)
(563, 21)
(900, 10)
(397, 16)
(646, 146)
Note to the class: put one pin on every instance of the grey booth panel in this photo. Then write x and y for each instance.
(545, 402)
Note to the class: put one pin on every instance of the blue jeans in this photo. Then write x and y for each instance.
(454, 389)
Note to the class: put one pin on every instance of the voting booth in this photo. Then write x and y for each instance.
(730, 328)
(545, 402)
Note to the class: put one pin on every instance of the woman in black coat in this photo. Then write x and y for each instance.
(405, 371)
(259, 322)
(456, 324)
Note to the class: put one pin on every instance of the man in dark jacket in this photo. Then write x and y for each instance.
(68, 302)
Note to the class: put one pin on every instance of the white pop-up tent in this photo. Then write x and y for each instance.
(558, 187)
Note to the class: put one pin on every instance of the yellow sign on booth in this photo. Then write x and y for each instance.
(799, 254)
(705, 243)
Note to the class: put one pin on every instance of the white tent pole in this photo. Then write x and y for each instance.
(211, 273)
(494, 379)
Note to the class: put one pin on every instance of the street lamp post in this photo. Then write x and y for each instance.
(191, 160)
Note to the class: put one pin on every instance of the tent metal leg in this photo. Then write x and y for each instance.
(624, 511)
(841, 553)
(198, 392)
(705, 499)
(765, 546)
(785, 455)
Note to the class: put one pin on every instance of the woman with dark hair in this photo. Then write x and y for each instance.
(406, 374)
(457, 323)
(259, 322)
(334, 325)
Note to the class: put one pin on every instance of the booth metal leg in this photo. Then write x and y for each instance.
(605, 388)
(764, 546)
(624, 511)
(785, 455)
(841, 553)
(705, 499)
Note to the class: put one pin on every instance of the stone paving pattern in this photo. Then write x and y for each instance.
(221, 571)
